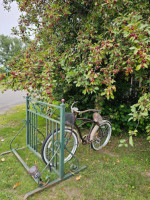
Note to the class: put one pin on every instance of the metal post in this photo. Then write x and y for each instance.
(27, 119)
(62, 128)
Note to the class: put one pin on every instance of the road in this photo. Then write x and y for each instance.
(9, 99)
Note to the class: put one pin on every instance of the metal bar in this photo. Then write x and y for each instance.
(36, 133)
(16, 136)
(55, 170)
(29, 128)
(62, 128)
(89, 110)
(56, 140)
(49, 150)
(27, 119)
(42, 103)
(23, 163)
(46, 117)
(32, 130)
(50, 160)
(20, 159)
(53, 143)
(56, 181)
(35, 152)
(47, 127)
(7, 152)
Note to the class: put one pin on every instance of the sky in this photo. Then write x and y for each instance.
(8, 20)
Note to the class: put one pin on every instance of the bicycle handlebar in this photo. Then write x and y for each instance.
(75, 110)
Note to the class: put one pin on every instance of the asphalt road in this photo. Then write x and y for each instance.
(9, 99)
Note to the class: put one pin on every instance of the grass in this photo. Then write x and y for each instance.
(113, 173)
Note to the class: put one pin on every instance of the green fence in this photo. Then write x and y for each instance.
(54, 120)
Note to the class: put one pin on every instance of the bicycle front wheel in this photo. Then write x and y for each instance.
(70, 145)
(101, 136)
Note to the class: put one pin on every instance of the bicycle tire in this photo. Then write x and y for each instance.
(102, 136)
(47, 146)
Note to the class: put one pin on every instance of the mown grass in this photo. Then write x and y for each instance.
(112, 174)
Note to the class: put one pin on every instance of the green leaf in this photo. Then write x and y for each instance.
(84, 92)
(144, 114)
(103, 93)
(132, 48)
(108, 97)
(130, 119)
(131, 141)
(135, 51)
(133, 109)
(122, 141)
(138, 67)
(112, 96)
(121, 106)
(145, 65)
(62, 62)
(143, 26)
(148, 138)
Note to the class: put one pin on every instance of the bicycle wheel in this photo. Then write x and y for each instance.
(70, 145)
(101, 136)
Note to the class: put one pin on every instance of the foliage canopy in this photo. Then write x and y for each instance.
(86, 44)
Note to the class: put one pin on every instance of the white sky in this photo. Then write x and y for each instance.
(8, 20)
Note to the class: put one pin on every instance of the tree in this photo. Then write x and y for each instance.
(9, 47)
(87, 44)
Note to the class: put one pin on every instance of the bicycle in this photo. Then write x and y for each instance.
(98, 136)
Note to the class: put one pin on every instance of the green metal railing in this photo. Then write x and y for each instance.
(43, 119)
(55, 120)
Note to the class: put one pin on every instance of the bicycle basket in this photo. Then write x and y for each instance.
(69, 119)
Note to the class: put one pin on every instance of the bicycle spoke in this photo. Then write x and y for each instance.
(71, 143)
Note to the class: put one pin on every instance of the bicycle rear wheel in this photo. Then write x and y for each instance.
(101, 136)
(70, 145)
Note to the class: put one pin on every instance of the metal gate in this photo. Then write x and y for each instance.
(42, 120)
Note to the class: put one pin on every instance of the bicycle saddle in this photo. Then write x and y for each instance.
(97, 117)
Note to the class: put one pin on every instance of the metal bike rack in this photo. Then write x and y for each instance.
(49, 113)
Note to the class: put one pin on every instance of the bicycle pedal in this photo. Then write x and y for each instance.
(84, 139)
(84, 142)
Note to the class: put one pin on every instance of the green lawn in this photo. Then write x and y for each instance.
(112, 174)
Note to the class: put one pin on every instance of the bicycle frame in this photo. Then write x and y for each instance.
(85, 120)
(96, 121)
